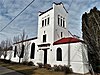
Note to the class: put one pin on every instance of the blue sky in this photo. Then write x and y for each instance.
(28, 20)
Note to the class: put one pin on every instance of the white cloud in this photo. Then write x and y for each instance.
(29, 18)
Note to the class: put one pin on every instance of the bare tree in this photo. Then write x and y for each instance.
(22, 45)
(0, 51)
(2, 46)
(16, 39)
(26, 52)
(6, 45)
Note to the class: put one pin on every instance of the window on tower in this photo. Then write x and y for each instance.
(58, 20)
(45, 22)
(48, 20)
(44, 38)
(61, 34)
(42, 23)
(63, 22)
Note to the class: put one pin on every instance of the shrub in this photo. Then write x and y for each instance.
(30, 63)
(25, 63)
(2, 60)
(61, 68)
(47, 66)
(7, 61)
(14, 63)
(55, 68)
(67, 69)
(98, 69)
(40, 65)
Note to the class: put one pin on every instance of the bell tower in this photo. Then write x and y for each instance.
(60, 21)
(52, 24)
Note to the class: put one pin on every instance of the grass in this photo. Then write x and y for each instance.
(43, 71)
(29, 70)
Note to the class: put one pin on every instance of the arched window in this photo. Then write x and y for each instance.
(15, 51)
(32, 51)
(59, 54)
(22, 52)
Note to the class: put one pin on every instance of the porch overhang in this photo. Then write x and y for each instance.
(44, 46)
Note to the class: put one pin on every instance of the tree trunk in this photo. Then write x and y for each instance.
(19, 59)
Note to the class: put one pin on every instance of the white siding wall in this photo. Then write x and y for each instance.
(77, 62)
(49, 29)
(59, 10)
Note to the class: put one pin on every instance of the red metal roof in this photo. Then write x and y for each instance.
(67, 40)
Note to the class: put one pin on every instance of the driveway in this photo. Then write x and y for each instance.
(6, 71)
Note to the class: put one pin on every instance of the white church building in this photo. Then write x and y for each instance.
(54, 44)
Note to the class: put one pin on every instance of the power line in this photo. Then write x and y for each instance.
(70, 5)
(17, 15)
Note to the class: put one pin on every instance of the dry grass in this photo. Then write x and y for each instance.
(43, 71)
(29, 70)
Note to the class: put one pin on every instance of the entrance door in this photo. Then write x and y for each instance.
(45, 56)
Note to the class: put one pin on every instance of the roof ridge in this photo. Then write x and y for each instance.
(67, 40)
(25, 40)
